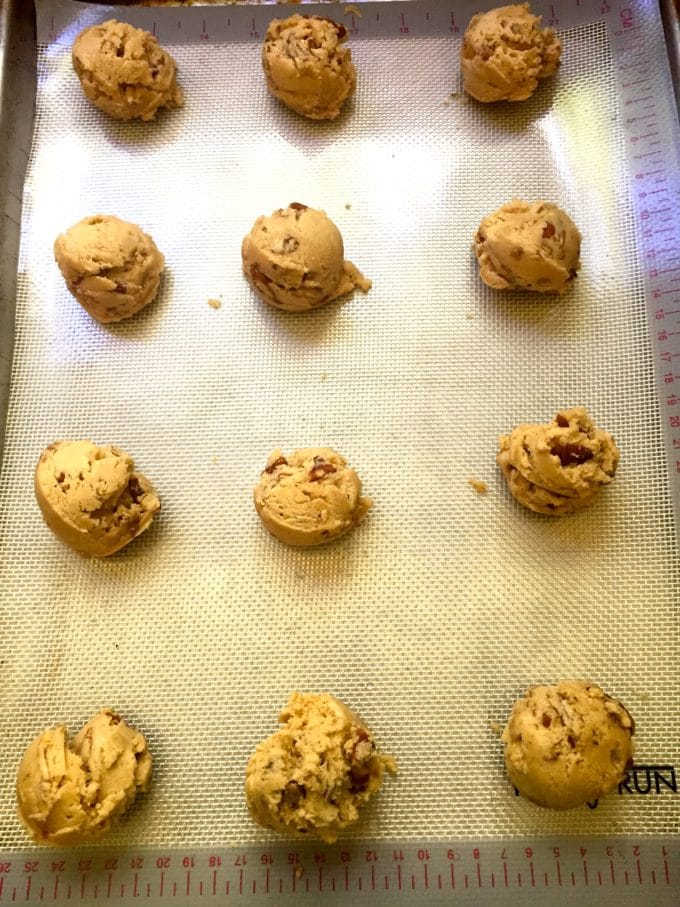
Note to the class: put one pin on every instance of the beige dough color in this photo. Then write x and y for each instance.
(568, 744)
(558, 467)
(505, 52)
(524, 246)
(307, 67)
(294, 260)
(111, 267)
(71, 791)
(124, 71)
(92, 498)
(310, 497)
(314, 775)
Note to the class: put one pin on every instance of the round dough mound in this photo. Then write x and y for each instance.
(111, 267)
(310, 497)
(307, 67)
(313, 775)
(524, 246)
(124, 71)
(505, 52)
(91, 497)
(71, 791)
(294, 260)
(568, 744)
(560, 467)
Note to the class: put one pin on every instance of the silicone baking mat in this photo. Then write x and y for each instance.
(444, 605)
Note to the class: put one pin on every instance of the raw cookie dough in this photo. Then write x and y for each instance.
(294, 260)
(124, 71)
(71, 791)
(111, 267)
(559, 467)
(92, 498)
(310, 497)
(505, 52)
(524, 246)
(307, 67)
(313, 775)
(568, 744)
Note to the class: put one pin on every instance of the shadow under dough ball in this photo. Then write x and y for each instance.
(110, 266)
(91, 496)
(307, 67)
(124, 71)
(505, 52)
(294, 260)
(568, 744)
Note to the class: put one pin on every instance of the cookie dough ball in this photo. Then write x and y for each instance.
(294, 260)
(92, 498)
(71, 791)
(314, 775)
(307, 67)
(111, 267)
(568, 744)
(124, 71)
(559, 467)
(524, 246)
(310, 497)
(505, 52)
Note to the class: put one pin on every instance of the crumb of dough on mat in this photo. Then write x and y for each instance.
(215, 303)
(496, 728)
(479, 486)
(352, 8)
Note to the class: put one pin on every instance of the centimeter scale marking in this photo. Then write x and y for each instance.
(654, 170)
(220, 24)
(547, 871)
(431, 872)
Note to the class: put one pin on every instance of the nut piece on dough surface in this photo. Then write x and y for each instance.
(71, 791)
(559, 467)
(92, 498)
(124, 71)
(505, 52)
(313, 775)
(307, 67)
(568, 744)
(310, 497)
(524, 246)
(111, 266)
(294, 260)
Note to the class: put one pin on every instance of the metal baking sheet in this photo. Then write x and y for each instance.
(436, 613)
